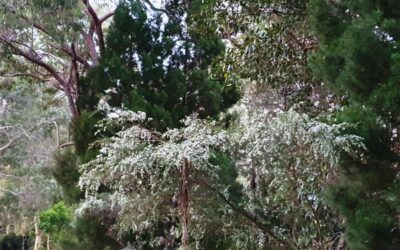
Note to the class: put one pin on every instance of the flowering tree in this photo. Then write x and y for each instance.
(283, 161)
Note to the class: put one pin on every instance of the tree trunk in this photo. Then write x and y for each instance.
(48, 242)
(38, 235)
(71, 104)
(184, 203)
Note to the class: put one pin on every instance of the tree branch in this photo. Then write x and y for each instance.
(69, 51)
(36, 25)
(9, 192)
(89, 39)
(67, 144)
(62, 82)
(24, 132)
(97, 24)
(33, 59)
(29, 21)
(64, 47)
(106, 16)
(9, 175)
(248, 216)
(154, 8)
(9, 144)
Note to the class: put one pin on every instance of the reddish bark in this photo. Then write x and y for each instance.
(67, 83)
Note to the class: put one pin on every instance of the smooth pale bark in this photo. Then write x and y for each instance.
(48, 242)
(38, 235)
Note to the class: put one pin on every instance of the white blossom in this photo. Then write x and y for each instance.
(291, 155)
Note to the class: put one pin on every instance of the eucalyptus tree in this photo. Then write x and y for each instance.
(268, 44)
(30, 131)
(52, 41)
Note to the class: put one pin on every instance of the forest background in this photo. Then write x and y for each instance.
(199, 124)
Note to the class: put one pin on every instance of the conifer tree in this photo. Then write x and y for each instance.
(151, 63)
(359, 56)
(157, 67)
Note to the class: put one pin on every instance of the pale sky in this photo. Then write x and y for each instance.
(104, 6)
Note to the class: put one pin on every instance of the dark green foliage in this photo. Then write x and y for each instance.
(153, 67)
(359, 57)
(370, 224)
(387, 97)
(228, 176)
(370, 127)
(83, 130)
(13, 242)
(86, 233)
(161, 71)
(65, 171)
(358, 52)
(93, 233)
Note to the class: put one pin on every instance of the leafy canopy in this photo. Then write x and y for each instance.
(156, 66)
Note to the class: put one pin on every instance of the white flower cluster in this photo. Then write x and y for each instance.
(267, 135)
(291, 158)
(141, 168)
(118, 116)
(289, 155)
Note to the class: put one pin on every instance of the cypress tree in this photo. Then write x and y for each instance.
(157, 67)
(359, 56)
